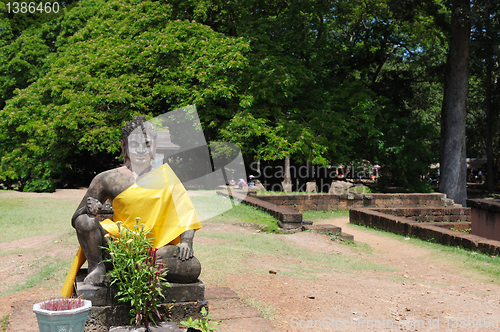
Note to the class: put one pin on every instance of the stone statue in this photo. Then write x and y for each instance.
(138, 142)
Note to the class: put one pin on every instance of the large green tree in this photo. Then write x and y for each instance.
(113, 59)
(327, 82)
(484, 90)
(360, 78)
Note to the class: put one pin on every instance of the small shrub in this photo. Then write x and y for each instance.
(140, 278)
(202, 323)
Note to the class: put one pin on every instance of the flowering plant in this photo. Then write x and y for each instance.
(140, 278)
(56, 304)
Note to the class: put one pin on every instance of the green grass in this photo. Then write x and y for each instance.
(475, 265)
(267, 311)
(220, 209)
(33, 216)
(27, 217)
(48, 272)
(223, 258)
(3, 322)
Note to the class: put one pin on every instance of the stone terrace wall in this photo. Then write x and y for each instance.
(485, 217)
(325, 202)
(451, 214)
(287, 217)
(378, 218)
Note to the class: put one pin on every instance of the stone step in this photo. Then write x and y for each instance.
(330, 230)
(346, 237)
(236, 315)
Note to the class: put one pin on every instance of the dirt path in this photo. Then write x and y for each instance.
(413, 291)
(421, 294)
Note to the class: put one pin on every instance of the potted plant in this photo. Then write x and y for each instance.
(67, 315)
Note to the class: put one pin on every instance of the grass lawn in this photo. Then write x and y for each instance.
(29, 217)
(23, 218)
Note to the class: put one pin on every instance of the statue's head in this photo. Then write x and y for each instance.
(138, 141)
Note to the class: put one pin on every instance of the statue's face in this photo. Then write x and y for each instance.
(141, 148)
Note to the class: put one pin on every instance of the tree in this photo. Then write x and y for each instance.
(484, 94)
(115, 59)
(453, 165)
(346, 72)
(319, 81)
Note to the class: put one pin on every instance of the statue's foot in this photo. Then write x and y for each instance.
(96, 277)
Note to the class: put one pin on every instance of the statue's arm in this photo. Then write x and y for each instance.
(186, 245)
(94, 198)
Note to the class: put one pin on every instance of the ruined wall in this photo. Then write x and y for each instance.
(433, 231)
(485, 217)
(326, 202)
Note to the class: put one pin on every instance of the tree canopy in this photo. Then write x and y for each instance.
(331, 82)
(109, 61)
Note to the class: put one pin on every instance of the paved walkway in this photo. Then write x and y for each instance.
(237, 316)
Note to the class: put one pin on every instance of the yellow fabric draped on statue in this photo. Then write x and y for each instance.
(163, 205)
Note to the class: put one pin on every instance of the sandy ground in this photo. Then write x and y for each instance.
(419, 293)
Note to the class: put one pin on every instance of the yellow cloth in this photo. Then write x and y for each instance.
(163, 205)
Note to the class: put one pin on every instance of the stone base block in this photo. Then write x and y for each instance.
(105, 295)
(162, 327)
(346, 236)
(329, 229)
(103, 317)
(185, 292)
(181, 302)
(323, 228)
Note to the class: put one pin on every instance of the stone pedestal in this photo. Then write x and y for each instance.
(181, 302)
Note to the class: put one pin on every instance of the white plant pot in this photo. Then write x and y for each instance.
(62, 321)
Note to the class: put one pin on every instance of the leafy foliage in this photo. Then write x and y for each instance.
(113, 60)
(137, 273)
(202, 323)
(62, 304)
(343, 72)
(484, 90)
(327, 82)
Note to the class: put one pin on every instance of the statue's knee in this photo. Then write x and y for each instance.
(166, 252)
(184, 272)
(85, 223)
(179, 271)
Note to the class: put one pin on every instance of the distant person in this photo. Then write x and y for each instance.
(242, 183)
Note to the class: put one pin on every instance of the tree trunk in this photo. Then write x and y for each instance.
(453, 167)
(490, 118)
(490, 111)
